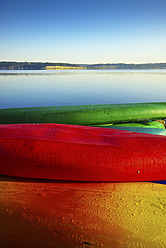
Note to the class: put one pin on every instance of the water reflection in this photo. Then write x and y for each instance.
(51, 88)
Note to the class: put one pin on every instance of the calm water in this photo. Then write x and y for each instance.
(49, 88)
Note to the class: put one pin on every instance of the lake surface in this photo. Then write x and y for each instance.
(55, 88)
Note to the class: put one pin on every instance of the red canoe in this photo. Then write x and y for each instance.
(79, 153)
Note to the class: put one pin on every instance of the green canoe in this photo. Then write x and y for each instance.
(143, 124)
(85, 114)
(157, 131)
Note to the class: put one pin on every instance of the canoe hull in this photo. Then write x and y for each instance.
(157, 131)
(85, 114)
(77, 153)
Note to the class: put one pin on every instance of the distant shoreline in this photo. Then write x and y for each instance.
(5, 65)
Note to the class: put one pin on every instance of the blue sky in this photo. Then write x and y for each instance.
(89, 31)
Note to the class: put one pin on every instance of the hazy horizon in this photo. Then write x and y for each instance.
(83, 32)
(97, 63)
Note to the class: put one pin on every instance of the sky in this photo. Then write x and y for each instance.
(83, 31)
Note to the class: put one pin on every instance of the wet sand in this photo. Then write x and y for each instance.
(52, 214)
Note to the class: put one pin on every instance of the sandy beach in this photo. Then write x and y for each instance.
(52, 214)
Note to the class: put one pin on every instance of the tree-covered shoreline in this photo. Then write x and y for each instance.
(5, 65)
